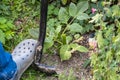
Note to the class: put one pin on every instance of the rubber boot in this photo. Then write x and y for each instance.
(23, 55)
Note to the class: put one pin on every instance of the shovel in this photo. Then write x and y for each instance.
(30, 50)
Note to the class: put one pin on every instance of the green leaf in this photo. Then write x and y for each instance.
(73, 46)
(63, 36)
(75, 27)
(47, 45)
(2, 20)
(2, 37)
(109, 56)
(116, 10)
(77, 36)
(9, 35)
(101, 41)
(49, 42)
(76, 47)
(83, 16)
(68, 39)
(94, 58)
(34, 32)
(82, 6)
(58, 29)
(108, 12)
(96, 18)
(33, 1)
(94, 1)
(64, 2)
(4, 27)
(10, 25)
(86, 63)
(72, 9)
(65, 54)
(63, 15)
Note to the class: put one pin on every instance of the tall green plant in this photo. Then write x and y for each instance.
(60, 29)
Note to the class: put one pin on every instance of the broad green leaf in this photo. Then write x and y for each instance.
(48, 45)
(65, 54)
(34, 32)
(68, 39)
(2, 37)
(63, 15)
(50, 37)
(64, 2)
(73, 45)
(83, 16)
(48, 42)
(76, 47)
(51, 22)
(82, 49)
(82, 6)
(58, 29)
(64, 48)
(72, 9)
(116, 10)
(33, 1)
(75, 27)
(2, 20)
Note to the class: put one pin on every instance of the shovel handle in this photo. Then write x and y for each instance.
(40, 44)
(42, 30)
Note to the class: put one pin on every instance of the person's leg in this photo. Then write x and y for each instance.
(23, 55)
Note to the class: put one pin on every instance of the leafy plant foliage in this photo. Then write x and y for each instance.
(105, 61)
(6, 30)
(66, 24)
(61, 28)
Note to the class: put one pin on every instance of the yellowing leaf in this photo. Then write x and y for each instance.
(96, 18)
(65, 54)
(64, 2)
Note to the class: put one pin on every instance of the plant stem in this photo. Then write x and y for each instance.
(58, 42)
(70, 23)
